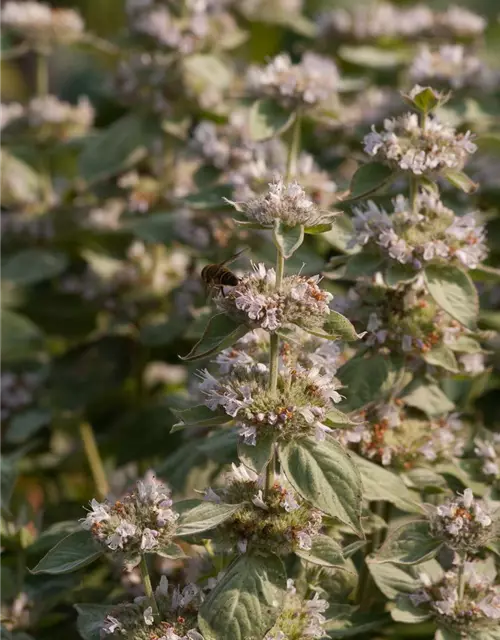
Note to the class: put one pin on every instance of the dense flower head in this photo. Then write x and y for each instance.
(140, 522)
(394, 436)
(464, 523)
(384, 20)
(199, 23)
(178, 609)
(408, 321)
(405, 144)
(450, 65)
(279, 520)
(479, 607)
(487, 450)
(298, 409)
(287, 202)
(429, 233)
(42, 24)
(312, 81)
(256, 302)
(299, 619)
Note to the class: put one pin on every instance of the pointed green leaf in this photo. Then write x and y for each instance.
(256, 457)
(465, 344)
(369, 179)
(325, 475)
(427, 397)
(288, 239)
(362, 264)
(268, 119)
(220, 333)
(199, 416)
(460, 180)
(247, 601)
(442, 356)
(397, 273)
(33, 265)
(359, 624)
(454, 292)
(363, 379)
(73, 552)
(324, 551)
(197, 516)
(336, 418)
(91, 619)
(20, 336)
(393, 581)
(339, 326)
(172, 551)
(317, 229)
(405, 611)
(410, 543)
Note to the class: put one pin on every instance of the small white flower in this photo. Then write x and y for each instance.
(111, 625)
(258, 501)
(148, 616)
(304, 540)
(149, 539)
(288, 501)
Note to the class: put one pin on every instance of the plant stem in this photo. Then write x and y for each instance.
(42, 73)
(294, 149)
(94, 459)
(461, 576)
(414, 183)
(270, 471)
(146, 581)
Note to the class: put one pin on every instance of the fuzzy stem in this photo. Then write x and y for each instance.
(94, 459)
(414, 184)
(146, 581)
(461, 576)
(270, 471)
(42, 73)
(294, 149)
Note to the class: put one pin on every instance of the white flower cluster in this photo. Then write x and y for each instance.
(299, 409)
(385, 20)
(140, 79)
(287, 202)
(405, 144)
(42, 24)
(256, 302)
(388, 435)
(479, 607)
(311, 82)
(177, 615)
(51, 117)
(301, 619)
(280, 520)
(487, 449)
(451, 65)
(416, 237)
(140, 522)
(463, 522)
(17, 391)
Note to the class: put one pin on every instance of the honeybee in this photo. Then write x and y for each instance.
(218, 275)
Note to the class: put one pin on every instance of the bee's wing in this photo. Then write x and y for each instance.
(233, 257)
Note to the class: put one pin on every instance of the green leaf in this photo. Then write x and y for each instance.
(159, 335)
(393, 581)
(268, 120)
(341, 233)
(324, 551)
(335, 418)
(426, 480)
(406, 611)
(172, 551)
(287, 239)
(8, 478)
(363, 379)
(20, 336)
(465, 344)
(90, 620)
(357, 625)
(203, 71)
(199, 416)
(460, 180)
(324, 474)
(247, 601)
(372, 57)
(318, 229)
(442, 356)
(368, 179)
(362, 264)
(197, 516)
(426, 100)
(338, 326)
(25, 424)
(256, 457)
(20, 184)
(212, 198)
(454, 292)
(121, 145)
(158, 227)
(380, 484)
(397, 273)
(428, 398)
(410, 543)
(73, 552)
(444, 633)
(220, 333)
(33, 265)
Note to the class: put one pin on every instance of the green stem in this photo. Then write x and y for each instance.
(461, 576)
(94, 459)
(146, 581)
(414, 183)
(42, 73)
(294, 149)
(270, 471)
